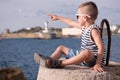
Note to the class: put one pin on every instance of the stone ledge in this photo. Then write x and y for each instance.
(74, 72)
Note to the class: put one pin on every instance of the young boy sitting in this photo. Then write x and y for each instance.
(92, 47)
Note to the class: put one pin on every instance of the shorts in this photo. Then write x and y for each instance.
(73, 52)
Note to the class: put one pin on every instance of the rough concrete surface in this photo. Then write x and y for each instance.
(74, 72)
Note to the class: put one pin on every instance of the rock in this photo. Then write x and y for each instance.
(11, 74)
(74, 72)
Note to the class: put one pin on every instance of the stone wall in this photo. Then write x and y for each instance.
(31, 35)
(19, 35)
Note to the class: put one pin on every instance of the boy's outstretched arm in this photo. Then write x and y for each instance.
(65, 20)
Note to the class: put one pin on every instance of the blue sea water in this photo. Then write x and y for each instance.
(20, 52)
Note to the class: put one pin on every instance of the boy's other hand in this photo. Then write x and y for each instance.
(97, 68)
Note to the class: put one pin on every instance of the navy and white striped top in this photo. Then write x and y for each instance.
(88, 43)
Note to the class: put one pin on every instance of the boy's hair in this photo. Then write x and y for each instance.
(91, 9)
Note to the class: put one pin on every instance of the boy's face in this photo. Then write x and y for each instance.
(82, 16)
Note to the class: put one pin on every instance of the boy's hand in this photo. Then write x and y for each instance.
(53, 17)
(98, 68)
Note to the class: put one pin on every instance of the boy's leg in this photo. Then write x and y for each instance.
(59, 51)
(47, 61)
(84, 56)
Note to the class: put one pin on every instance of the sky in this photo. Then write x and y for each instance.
(18, 14)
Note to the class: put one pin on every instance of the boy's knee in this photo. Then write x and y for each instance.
(60, 47)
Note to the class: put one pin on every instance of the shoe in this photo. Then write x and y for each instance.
(40, 59)
(47, 61)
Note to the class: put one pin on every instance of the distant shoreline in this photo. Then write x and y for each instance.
(42, 35)
(36, 36)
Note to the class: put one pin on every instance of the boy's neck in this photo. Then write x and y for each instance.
(88, 24)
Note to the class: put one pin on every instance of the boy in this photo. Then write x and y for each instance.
(92, 47)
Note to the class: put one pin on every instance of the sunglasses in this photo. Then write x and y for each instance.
(78, 15)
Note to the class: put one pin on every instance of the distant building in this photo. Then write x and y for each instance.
(46, 33)
(6, 31)
(119, 30)
(77, 31)
(71, 31)
(114, 27)
(46, 30)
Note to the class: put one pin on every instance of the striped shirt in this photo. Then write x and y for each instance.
(88, 43)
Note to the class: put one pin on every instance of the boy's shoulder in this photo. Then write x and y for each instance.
(95, 26)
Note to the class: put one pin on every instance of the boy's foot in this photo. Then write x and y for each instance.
(47, 61)
(40, 59)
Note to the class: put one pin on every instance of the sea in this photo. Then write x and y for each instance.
(20, 52)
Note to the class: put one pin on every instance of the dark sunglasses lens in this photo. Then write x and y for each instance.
(77, 17)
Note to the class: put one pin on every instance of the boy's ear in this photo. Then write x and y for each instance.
(85, 18)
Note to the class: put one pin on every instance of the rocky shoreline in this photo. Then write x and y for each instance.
(11, 74)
